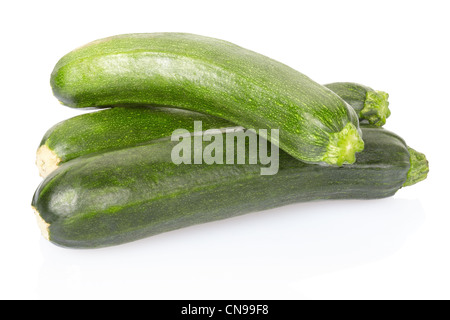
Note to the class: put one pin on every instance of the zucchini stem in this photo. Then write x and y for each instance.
(343, 146)
(376, 108)
(419, 168)
(47, 161)
(43, 226)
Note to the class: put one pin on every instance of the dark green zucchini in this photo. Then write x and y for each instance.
(214, 77)
(129, 194)
(372, 106)
(118, 128)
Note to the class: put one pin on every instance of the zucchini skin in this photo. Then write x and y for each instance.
(129, 194)
(372, 106)
(214, 77)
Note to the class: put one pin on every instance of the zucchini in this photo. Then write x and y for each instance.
(214, 77)
(372, 106)
(119, 128)
(129, 194)
(114, 129)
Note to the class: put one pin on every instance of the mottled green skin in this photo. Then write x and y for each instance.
(353, 93)
(125, 195)
(120, 128)
(206, 75)
(371, 106)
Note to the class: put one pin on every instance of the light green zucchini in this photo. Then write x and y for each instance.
(213, 77)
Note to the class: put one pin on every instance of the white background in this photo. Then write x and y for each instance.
(396, 248)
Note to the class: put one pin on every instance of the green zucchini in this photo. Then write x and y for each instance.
(113, 129)
(118, 128)
(372, 106)
(129, 194)
(214, 77)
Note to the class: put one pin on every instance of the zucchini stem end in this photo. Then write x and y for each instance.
(343, 146)
(419, 168)
(43, 226)
(47, 160)
(376, 108)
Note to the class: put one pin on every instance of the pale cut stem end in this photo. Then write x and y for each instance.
(344, 145)
(376, 108)
(43, 226)
(419, 168)
(47, 161)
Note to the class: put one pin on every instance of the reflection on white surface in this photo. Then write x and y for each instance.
(251, 256)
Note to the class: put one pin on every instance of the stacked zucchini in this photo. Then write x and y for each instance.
(109, 175)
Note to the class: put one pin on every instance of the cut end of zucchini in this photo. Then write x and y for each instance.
(43, 226)
(376, 108)
(343, 146)
(419, 168)
(47, 161)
